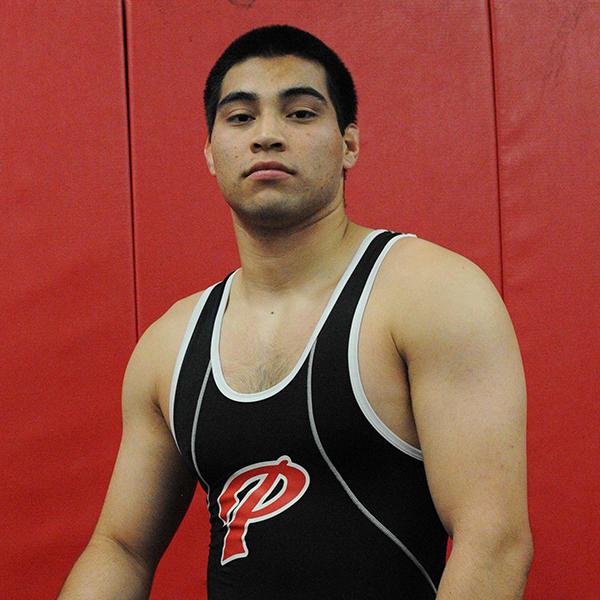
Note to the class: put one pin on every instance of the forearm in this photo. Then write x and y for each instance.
(105, 570)
(480, 571)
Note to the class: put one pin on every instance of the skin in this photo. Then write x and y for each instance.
(293, 131)
(438, 355)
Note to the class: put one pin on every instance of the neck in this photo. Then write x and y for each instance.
(310, 255)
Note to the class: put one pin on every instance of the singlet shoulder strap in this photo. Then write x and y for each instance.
(341, 316)
(192, 362)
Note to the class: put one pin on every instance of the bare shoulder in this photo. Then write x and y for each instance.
(424, 284)
(421, 259)
(177, 315)
(162, 340)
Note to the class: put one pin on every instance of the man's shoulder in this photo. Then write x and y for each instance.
(168, 329)
(159, 344)
(421, 262)
(425, 283)
(182, 308)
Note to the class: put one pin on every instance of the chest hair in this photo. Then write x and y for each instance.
(254, 362)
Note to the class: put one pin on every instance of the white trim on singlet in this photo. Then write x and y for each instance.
(357, 386)
(216, 337)
(361, 507)
(180, 355)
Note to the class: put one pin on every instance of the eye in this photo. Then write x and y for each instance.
(239, 119)
(303, 114)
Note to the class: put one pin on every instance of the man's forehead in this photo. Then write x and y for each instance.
(267, 76)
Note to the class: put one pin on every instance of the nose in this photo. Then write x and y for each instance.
(268, 135)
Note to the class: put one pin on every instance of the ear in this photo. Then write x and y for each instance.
(209, 157)
(351, 145)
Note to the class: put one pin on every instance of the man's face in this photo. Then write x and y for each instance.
(278, 110)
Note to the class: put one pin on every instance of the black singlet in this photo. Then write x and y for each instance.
(311, 496)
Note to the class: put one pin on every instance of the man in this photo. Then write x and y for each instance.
(347, 399)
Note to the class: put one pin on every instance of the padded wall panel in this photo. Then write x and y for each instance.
(428, 158)
(68, 322)
(547, 64)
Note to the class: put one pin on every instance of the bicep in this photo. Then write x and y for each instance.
(469, 402)
(150, 488)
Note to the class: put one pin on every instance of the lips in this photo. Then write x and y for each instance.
(269, 166)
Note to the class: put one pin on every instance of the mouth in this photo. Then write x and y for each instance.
(269, 174)
(269, 170)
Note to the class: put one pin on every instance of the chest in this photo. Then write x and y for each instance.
(257, 351)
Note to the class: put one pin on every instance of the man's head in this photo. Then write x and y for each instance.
(279, 144)
(280, 40)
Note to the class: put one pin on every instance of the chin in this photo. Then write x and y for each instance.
(280, 214)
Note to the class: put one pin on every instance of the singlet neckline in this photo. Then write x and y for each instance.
(215, 356)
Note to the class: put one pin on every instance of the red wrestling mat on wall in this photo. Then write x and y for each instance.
(547, 65)
(68, 319)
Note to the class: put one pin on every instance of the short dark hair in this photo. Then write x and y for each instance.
(282, 40)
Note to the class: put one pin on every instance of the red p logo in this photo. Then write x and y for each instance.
(259, 479)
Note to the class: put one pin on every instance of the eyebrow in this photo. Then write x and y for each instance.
(283, 95)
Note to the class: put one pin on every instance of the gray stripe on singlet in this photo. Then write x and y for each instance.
(347, 489)
(195, 426)
(189, 330)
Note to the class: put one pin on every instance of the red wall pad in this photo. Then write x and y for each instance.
(67, 303)
(428, 157)
(547, 65)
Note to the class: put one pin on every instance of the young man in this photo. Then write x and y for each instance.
(347, 398)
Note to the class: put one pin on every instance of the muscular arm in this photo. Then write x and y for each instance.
(469, 402)
(149, 492)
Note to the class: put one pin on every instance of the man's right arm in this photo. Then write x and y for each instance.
(149, 492)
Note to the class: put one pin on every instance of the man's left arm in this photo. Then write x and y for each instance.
(469, 402)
